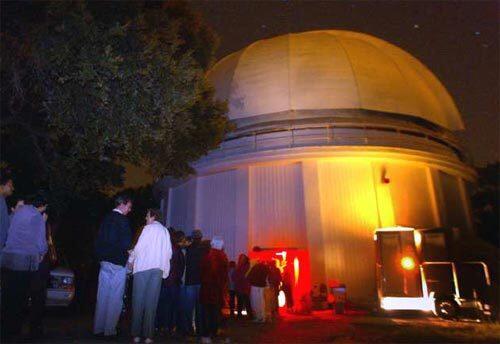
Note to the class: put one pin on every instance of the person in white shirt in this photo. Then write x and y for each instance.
(149, 262)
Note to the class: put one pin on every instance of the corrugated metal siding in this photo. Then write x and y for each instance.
(276, 201)
(349, 218)
(216, 208)
(331, 207)
(452, 203)
(312, 205)
(182, 203)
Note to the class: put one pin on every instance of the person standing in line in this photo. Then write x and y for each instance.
(194, 254)
(287, 287)
(274, 280)
(168, 304)
(18, 204)
(149, 262)
(214, 273)
(6, 190)
(242, 286)
(113, 242)
(38, 291)
(182, 328)
(258, 281)
(232, 292)
(24, 249)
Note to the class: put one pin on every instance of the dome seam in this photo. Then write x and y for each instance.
(447, 117)
(288, 59)
(445, 120)
(352, 68)
(220, 62)
(244, 51)
(405, 80)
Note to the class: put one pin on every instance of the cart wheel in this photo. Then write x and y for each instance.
(446, 309)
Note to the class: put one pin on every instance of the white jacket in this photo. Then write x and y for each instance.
(153, 250)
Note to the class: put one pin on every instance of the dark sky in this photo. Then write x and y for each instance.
(457, 40)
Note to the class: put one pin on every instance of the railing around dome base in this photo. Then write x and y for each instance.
(327, 134)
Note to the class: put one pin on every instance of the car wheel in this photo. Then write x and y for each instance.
(446, 309)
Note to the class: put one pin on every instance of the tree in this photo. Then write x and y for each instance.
(485, 203)
(87, 86)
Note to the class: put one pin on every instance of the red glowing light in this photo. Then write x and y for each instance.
(294, 266)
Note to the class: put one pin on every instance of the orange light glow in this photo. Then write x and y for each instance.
(296, 270)
(281, 264)
(395, 229)
(417, 236)
(407, 263)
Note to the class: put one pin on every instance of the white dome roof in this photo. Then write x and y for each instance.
(330, 69)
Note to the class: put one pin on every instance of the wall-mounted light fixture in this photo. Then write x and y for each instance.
(384, 179)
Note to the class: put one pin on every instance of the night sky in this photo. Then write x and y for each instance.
(457, 40)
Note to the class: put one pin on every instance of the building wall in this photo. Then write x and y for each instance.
(453, 204)
(276, 206)
(182, 206)
(410, 192)
(329, 205)
(349, 216)
(216, 207)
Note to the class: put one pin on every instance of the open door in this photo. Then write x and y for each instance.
(295, 273)
(400, 284)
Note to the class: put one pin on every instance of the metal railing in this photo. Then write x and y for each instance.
(280, 137)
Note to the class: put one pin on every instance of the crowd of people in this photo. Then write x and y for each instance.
(180, 283)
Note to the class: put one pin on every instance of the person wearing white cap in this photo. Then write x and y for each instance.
(214, 267)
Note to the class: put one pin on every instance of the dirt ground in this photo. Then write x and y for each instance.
(319, 327)
(324, 327)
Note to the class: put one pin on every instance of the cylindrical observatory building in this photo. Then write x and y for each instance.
(338, 133)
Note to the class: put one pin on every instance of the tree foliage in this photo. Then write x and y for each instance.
(87, 86)
(485, 203)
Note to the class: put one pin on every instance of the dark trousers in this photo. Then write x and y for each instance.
(210, 319)
(38, 293)
(168, 307)
(15, 292)
(243, 302)
(288, 295)
(190, 298)
(232, 301)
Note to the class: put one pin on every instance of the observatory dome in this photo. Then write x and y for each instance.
(330, 70)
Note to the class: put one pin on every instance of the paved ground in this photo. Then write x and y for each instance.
(320, 327)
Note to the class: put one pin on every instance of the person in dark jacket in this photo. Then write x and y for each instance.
(6, 190)
(113, 242)
(192, 282)
(232, 292)
(214, 267)
(242, 286)
(287, 287)
(258, 281)
(38, 291)
(168, 304)
(274, 280)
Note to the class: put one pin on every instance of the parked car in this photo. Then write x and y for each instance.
(61, 285)
(61, 288)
